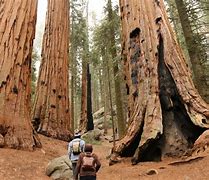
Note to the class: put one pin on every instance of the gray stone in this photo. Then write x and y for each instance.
(92, 135)
(60, 168)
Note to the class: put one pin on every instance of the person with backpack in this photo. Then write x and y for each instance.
(75, 147)
(88, 164)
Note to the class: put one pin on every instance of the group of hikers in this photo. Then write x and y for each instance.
(85, 163)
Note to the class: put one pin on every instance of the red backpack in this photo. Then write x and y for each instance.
(88, 163)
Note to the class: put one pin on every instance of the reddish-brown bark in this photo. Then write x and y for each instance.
(51, 113)
(17, 31)
(162, 98)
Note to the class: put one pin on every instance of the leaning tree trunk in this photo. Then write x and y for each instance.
(51, 113)
(17, 24)
(166, 111)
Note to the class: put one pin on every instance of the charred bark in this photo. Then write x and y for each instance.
(90, 124)
(166, 113)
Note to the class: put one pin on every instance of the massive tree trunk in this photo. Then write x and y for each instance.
(17, 24)
(51, 113)
(166, 113)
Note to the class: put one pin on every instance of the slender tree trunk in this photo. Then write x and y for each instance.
(17, 24)
(95, 93)
(83, 119)
(111, 104)
(105, 91)
(174, 15)
(90, 124)
(51, 113)
(118, 94)
(72, 102)
(101, 87)
(167, 113)
(194, 51)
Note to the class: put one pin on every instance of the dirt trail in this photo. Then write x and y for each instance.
(23, 165)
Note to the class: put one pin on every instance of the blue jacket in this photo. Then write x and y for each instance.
(70, 146)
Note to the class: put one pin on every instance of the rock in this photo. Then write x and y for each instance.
(92, 135)
(99, 113)
(99, 123)
(152, 172)
(60, 168)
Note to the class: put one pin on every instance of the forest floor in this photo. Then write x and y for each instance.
(23, 165)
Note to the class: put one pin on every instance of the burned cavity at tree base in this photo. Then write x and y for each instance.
(179, 133)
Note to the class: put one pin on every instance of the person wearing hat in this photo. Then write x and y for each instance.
(88, 164)
(75, 147)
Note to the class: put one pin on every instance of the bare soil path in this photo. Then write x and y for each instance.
(23, 165)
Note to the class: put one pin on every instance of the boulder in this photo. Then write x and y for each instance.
(60, 168)
(98, 114)
(93, 135)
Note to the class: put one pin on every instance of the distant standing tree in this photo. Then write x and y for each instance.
(166, 113)
(90, 124)
(51, 113)
(121, 124)
(86, 119)
(196, 54)
(17, 24)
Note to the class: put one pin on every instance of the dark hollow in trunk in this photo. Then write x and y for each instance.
(179, 133)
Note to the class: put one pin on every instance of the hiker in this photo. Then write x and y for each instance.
(75, 147)
(88, 164)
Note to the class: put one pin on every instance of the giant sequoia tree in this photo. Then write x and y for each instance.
(17, 24)
(166, 113)
(51, 113)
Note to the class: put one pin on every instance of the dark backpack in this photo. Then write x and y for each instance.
(88, 163)
(76, 147)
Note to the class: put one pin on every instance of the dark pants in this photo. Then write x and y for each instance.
(73, 168)
(87, 177)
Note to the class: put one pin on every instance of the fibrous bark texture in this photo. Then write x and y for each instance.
(17, 30)
(166, 113)
(51, 113)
